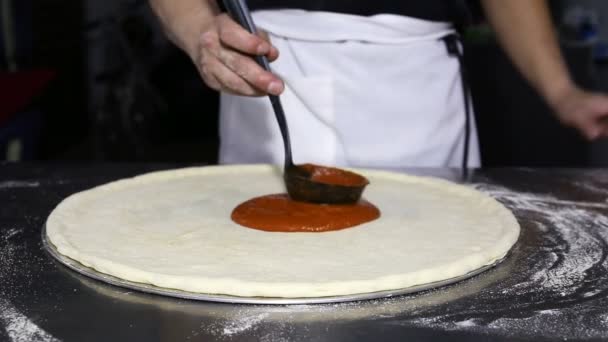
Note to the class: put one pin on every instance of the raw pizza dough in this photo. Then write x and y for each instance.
(172, 229)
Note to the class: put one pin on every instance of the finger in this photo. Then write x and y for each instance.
(599, 106)
(593, 134)
(600, 117)
(592, 129)
(202, 60)
(251, 72)
(230, 81)
(236, 37)
(209, 78)
(273, 54)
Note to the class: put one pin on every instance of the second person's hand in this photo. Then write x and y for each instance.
(586, 111)
(224, 59)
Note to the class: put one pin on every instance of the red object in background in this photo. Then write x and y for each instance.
(19, 89)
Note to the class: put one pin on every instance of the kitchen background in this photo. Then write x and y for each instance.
(95, 80)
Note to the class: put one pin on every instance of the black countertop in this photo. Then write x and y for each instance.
(554, 285)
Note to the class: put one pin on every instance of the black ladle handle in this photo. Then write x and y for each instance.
(239, 12)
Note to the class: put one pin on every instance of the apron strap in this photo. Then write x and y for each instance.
(453, 45)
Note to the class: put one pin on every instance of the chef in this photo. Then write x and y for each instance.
(365, 83)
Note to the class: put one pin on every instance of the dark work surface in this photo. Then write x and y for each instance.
(554, 285)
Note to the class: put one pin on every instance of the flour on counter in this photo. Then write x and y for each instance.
(16, 325)
(244, 323)
(467, 323)
(564, 253)
(575, 236)
(18, 184)
(19, 328)
(548, 312)
(10, 233)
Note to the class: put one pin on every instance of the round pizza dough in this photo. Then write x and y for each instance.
(172, 229)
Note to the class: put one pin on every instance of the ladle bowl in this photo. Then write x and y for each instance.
(303, 185)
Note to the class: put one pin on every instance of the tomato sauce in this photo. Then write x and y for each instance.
(278, 213)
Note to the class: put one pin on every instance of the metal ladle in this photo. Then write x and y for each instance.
(301, 182)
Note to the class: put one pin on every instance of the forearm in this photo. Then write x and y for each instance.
(525, 30)
(185, 20)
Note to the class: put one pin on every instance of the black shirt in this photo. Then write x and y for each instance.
(435, 10)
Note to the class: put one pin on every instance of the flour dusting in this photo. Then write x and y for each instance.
(562, 250)
(240, 322)
(18, 184)
(575, 236)
(19, 327)
(15, 281)
(467, 323)
(244, 323)
(12, 232)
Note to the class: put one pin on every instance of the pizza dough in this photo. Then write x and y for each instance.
(172, 229)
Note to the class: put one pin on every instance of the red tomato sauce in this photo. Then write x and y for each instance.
(278, 213)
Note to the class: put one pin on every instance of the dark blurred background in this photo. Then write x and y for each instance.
(97, 80)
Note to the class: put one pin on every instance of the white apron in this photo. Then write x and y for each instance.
(377, 91)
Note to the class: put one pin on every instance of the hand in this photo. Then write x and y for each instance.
(223, 58)
(583, 110)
